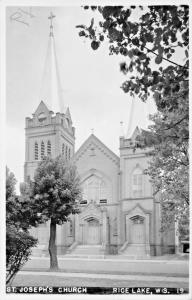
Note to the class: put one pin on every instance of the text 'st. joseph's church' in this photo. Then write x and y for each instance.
(119, 212)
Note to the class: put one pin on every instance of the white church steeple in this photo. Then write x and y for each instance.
(51, 91)
(138, 116)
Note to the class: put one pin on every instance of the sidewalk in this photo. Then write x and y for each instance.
(107, 276)
(175, 268)
(88, 279)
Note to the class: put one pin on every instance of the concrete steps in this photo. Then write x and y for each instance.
(83, 251)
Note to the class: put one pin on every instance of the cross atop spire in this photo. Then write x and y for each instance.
(51, 23)
(51, 89)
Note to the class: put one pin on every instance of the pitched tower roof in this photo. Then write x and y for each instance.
(138, 117)
(51, 91)
(132, 116)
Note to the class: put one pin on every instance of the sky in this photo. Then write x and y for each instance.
(90, 80)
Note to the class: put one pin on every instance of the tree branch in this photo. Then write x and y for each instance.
(176, 123)
(172, 62)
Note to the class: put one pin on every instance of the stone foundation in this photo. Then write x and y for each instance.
(111, 250)
(168, 249)
(158, 250)
(155, 250)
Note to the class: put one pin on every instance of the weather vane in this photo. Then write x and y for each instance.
(51, 23)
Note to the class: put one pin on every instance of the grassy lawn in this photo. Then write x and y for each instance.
(50, 280)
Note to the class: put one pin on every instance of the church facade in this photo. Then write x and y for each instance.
(119, 212)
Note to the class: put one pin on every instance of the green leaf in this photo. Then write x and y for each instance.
(169, 55)
(95, 45)
(82, 33)
(186, 53)
(149, 37)
(158, 59)
(179, 44)
(135, 41)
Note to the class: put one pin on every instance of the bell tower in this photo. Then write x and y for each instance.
(50, 130)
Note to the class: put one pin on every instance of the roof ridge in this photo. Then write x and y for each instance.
(77, 153)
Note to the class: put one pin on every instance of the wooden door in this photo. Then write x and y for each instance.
(138, 232)
(93, 232)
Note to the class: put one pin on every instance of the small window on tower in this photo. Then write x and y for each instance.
(48, 148)
(69, 153)
(36, 151)
(42, 149)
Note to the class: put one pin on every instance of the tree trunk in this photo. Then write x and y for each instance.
(52, 246)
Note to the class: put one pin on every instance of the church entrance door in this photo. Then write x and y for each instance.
(138, 231)
(93, 236)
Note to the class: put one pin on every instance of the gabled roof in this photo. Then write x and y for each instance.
(42, 107)
(92, 139)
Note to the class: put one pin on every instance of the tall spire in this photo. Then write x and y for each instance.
(131, 127)
(51, 91)
(51, 23)
(138, 116)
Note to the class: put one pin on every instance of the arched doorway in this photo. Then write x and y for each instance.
(137, 234)
(93, 232)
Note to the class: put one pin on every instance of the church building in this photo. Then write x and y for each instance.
(120, 215)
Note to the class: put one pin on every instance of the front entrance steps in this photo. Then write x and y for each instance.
(84, 251)
(134, 251)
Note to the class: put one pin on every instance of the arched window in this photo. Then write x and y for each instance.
(63, 149)
(69, 153)
(137, 183)
(36, 151)
(48, 148)
(95, 189)
(42, 149)
(66, 152)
